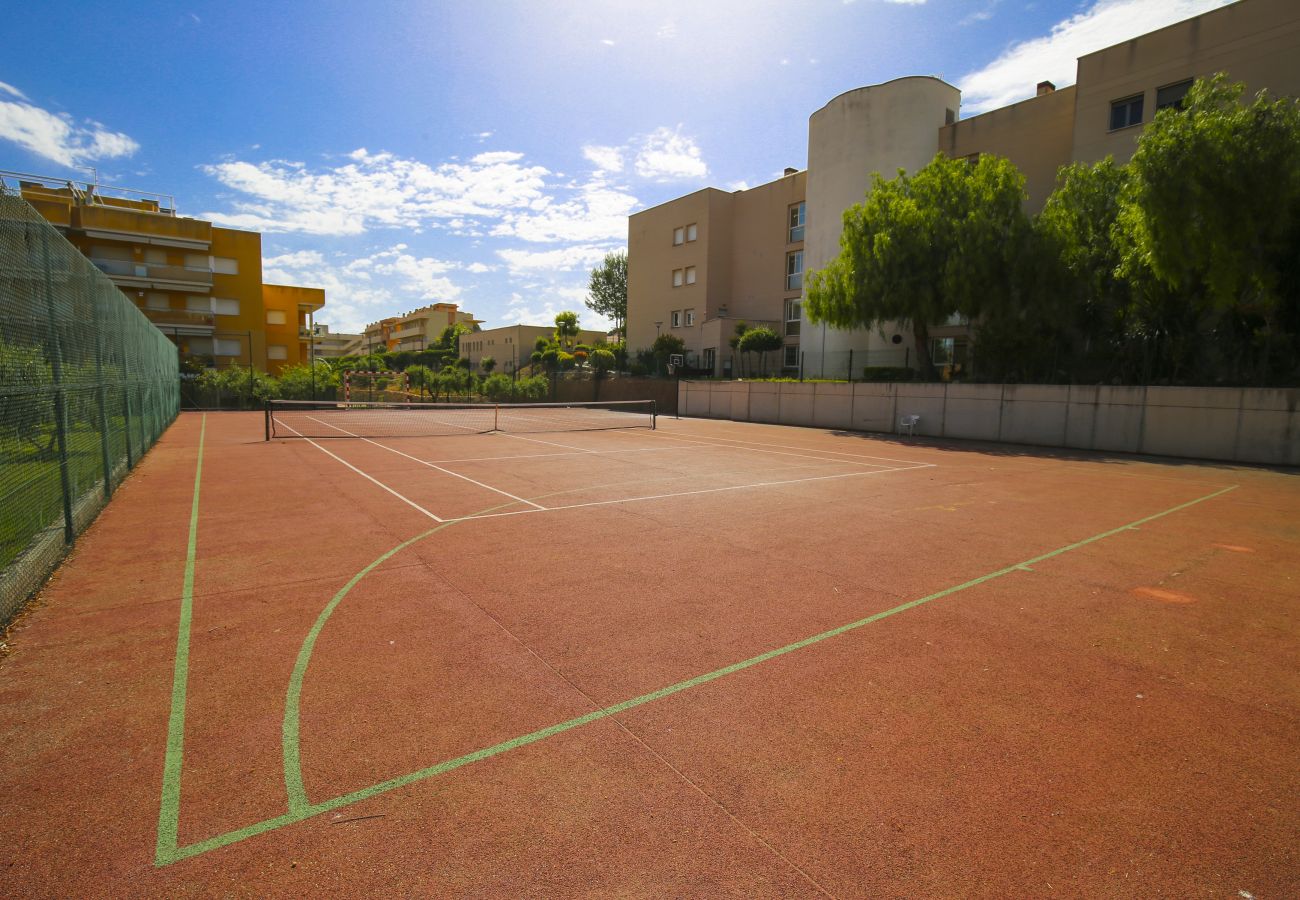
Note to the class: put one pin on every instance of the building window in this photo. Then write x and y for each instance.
(275, 317)
(677, 318)
(794, 271)
(677, 277)
(157, 301)
(224, 266)
(691, 232)
(679, 236)
(224, 307)
(690, 317)
(198, 262)
(1172, 95)
(796, 222)
(690, 274)
(791, 360)
(155, 256)
(199, 304)
(226, 347)
(1126, 112)
(710, 358)
(972, 158)
(793, 313)
(277, 351)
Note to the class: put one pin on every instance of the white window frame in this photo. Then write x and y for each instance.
(676, 318)
(677, 277)
(692, 232)
(690, 317)
(793, 317)
(797, 222)
(679, 236)
(794, 279)
(690, 274)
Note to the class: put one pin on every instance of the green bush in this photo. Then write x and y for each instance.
(888, 373)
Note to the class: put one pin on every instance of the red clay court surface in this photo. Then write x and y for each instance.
(712, 659)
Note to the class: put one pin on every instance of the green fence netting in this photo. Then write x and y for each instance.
(87, 385)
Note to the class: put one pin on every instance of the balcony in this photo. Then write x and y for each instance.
(142, 227)
(167, 319)
(139, 275)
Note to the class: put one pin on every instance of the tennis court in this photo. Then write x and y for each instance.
(583, 651)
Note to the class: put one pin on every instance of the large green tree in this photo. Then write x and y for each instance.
(924, 247)
(566, 329)
(1212, 212)
(607, 289)
(761, 340)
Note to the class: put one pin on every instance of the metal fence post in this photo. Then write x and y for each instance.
(850, 365)
(99, 397)
(55, 351)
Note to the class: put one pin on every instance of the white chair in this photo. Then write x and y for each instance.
(909, 423)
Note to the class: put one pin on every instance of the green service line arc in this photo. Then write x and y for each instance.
(300, 807)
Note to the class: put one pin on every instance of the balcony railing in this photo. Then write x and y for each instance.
(139, 274)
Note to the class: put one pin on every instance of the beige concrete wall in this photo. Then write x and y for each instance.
(1234, 424)
(881, 128)
(1036, 134)
(1255, 41)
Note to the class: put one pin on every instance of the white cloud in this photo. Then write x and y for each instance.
(1014, 75)
(582, 256)
(607, 42)
(57, 136)
(607, 159)
(483, 136)
(598, 213)
(478, 268)
(365, 289)
(665, 155)
(374, 190)
(667, 31)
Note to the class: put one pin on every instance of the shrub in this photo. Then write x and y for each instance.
(888, 373)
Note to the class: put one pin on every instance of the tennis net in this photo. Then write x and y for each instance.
(334, 419)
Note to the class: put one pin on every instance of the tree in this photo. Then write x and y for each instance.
(668, 344)
(422, 378)
(607, 289)
(1212, 212)
(761, 340)
(924, 247)
(602, 361)
(450, 337)
(566, 329)
(487, 363)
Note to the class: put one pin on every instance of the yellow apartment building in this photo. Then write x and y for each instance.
(512, 345)
(199, 284)
(415, 330)
(724, 244)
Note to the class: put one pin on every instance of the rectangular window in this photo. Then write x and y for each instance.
(199, 304)
(157, 301)
(710, 358)
(797, 214)
(791, 360)
(1172, 95)
(155, 256)
(691, 232)
(677, 318)
(1126, 112)
(224, 307)
(277, 351)
(793, 313)
(109, 251)
(690, 317)
(679, 236)
(198, 262)
(275, 317)
(226, 347)
(794, 271)
(690, 274)
(201, 346)
(677, 277)
(225, 266)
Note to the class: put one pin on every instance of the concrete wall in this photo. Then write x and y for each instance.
(1255, 425)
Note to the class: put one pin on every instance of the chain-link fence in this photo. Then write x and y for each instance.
(87, 385)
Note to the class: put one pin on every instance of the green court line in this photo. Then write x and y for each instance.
(304, 809)
(169, 810)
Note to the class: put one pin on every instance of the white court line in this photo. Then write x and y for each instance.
(406, 500)
(578, 452)
(910, 462)
(429, 464)
(734, 487)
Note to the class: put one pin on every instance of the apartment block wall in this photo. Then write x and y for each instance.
(512, 345)
(1254, 41)
(287, 310)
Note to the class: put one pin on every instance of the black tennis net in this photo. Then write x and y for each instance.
(341, 419)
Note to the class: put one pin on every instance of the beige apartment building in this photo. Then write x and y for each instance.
(727, 268)
(328, 344)
(512, 345)
(418, 329)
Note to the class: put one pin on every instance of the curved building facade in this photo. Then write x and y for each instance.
(881, 128)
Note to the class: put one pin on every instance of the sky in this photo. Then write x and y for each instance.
(487, 154)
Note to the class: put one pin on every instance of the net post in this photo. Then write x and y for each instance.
(654, 413)
(268, 418)
(496, 416)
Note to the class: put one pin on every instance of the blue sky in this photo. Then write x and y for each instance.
(401, 153)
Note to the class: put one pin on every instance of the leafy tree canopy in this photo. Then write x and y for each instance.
(607, 288)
